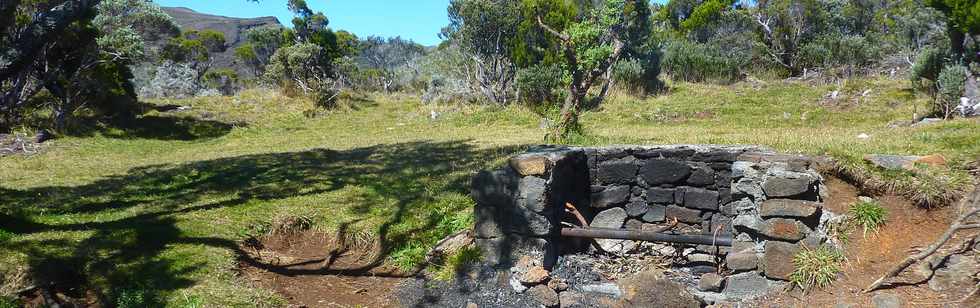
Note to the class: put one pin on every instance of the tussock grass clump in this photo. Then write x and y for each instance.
(927, 186)
(869, 215)
(457, 262)
(816, 267)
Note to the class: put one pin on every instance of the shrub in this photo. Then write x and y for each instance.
(848, 52)
(816, 267)
(539, 84)
(6, 302)
(927, 65)
(629, 75)
(697, 62)
(950, 84)
(869, 215)
(224, 80)
(176, 80)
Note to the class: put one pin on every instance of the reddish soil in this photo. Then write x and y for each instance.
(292, 265)
(868, 257)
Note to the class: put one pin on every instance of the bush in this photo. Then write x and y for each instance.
(629, 75)
(171, 79)
(223, 80)
(927, 65)
(695, 62)
(848, 52)
(816, 267)
(540, 84)
(951, 84)
(869, 215)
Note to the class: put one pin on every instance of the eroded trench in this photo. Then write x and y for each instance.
(725, 222)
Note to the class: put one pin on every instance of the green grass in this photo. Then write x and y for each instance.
(164, 205)
(868, 215)
(816, 268)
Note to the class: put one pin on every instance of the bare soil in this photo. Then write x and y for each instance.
(292, 264)
(907, 228)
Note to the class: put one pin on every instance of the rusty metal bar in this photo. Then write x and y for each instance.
(649, 236)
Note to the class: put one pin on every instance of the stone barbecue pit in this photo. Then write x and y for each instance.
(768, 205)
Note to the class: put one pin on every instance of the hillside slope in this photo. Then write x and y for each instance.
(233, 28)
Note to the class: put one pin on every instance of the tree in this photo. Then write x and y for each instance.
(590, 47)
(260, 44)
(962, 19)
(385, 56)
(76, 50)
(484, 29)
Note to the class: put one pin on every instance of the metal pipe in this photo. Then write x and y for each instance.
(639, 235)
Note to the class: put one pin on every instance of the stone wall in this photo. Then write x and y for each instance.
(769, 204)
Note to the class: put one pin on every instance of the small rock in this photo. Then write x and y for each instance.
(886, 301)
(956, 274)
(660, 195)
(784, 229)
(655, 213)
(697, 198)
(892, 162)
(472, 305)
(42, 136)
(535, 275)
(636, 208)
(684, 215)
(786, 184)
(788, 208)
(864, 136)
(710, 282)
(664, 171)
(610, 196)
(927, 121)
(557, 285)
(745, 286)
(544, 295)
(610, 289)
(701, 177)
(618, 171)
(742, 261)
(613, 219)
(516, 284)
(934, 160)
(571, 299)
(530, 165)
(778, 259)
(650, 289)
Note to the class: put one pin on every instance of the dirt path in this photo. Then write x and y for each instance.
(291, 265)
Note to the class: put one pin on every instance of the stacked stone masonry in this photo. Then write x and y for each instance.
(770, 204)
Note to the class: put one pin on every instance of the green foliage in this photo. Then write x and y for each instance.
(869, 215)
(260, 44)
(963, 15)
(835, 50)
(928, 64)
(132, 298)
(540, 84)
(224, 80)
(816, 267)
(705, 13)
(533, 46)
(6, 302)
(457, 262)
(951, 85)
(630, 75)
(684, 60)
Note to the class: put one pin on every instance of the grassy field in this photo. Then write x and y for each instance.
(153, 214)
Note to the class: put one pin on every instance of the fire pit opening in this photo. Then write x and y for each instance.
(725, 221)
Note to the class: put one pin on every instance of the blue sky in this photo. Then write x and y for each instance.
(419, 20)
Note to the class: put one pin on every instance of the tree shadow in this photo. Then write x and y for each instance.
(115, 234)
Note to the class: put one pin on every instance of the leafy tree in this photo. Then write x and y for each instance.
(260, 44)
(75, 50)
(484, 28)
(531, 46)
(386, 56)
(590, 47)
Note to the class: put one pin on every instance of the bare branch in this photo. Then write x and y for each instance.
(554, 32)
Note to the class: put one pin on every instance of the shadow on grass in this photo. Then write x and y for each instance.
(112, 234)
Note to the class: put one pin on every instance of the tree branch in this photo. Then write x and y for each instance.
(959, 224)
(554, 32)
